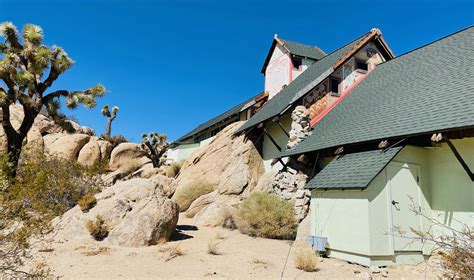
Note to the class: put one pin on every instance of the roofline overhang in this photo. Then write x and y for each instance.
(275, 41)
(361, 188)
(397, 137)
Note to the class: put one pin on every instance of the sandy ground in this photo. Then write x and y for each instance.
(241, 257)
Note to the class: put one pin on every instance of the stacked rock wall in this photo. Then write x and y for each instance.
(300, 127)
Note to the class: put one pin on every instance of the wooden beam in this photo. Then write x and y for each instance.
(460, 159)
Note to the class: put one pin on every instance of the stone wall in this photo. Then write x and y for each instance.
(289, 185)
(300, 127)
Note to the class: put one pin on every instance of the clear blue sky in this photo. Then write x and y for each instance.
(172, 65)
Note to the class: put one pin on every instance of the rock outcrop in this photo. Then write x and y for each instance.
(90, 153)
(230, 163)
(125, 154)
(136, 212)
(66, 146)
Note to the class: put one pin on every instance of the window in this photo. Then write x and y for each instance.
(297, 61)
(334, 84)
(362, 65)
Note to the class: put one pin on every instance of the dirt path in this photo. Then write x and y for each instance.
(241, 257)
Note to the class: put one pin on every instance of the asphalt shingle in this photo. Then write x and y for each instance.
(227, 114)
(352, 171)
(303, 50)
(430, 89)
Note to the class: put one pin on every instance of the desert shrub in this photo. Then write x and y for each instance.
(14, 239)
(87, 202)
(306, 259)
(191, 192)
(454, 243)
(51, 185)
(97, 229)
(114, 140)
(213, 247)
(266, 215)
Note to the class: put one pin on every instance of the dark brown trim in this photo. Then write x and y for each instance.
(460, 159)
(277, 121)
(271, 139)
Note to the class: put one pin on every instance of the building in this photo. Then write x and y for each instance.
(403, 138)
(319, 88)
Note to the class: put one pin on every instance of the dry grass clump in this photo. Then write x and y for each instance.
(266, 215)
(87, 202)
(191, 192)
(97, 229)
(213, 247)
(306, 259)
(173, 252)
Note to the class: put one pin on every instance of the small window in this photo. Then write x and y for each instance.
(362, 65)
(297, 62)
(335, 86)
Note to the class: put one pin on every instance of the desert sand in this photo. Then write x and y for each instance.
(240, 257)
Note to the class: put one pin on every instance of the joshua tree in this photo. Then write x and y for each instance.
(110, 118)
(27, 70)
(155, 146)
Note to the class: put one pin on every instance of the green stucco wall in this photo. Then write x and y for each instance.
(358, 223)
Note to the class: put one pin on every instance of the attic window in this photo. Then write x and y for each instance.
(361, 65)
(334, 83)
(297, 61)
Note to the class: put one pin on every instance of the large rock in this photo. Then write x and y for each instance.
(105, 148)
(135, 211)
(125, 154)
(216, 214)
(90, 153)
(200, 203)
(65, 146)
(229, 163)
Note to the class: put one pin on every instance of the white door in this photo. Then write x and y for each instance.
(405, 194)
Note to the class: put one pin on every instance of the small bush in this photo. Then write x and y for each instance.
(174, 252)
(97, 229)
(191, 192)
(212, 247)
(266, 215)
(51, 185)
(306, 259)
(87, 202)
(114, 140)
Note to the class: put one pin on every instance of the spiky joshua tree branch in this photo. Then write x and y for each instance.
(110, 118)
(28, 68)
(155, 146)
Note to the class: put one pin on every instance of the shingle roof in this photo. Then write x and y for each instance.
(293, 48)
(430, 89)
(233, 111)
(303, 50)
(352, 170)
(302, 84)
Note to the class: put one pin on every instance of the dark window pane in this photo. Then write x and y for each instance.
(297, 61)
(362, 65)
(335, 85)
